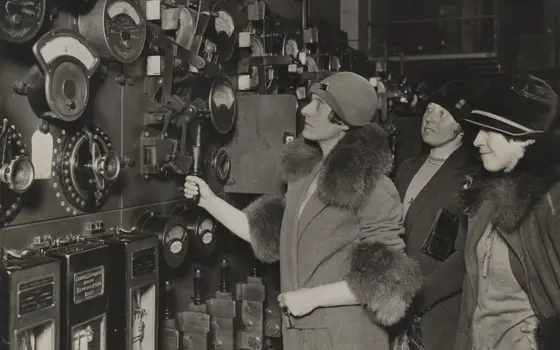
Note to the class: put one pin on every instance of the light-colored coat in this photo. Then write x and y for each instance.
(350, 229)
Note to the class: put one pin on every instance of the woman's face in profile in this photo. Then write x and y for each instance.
(497, 152)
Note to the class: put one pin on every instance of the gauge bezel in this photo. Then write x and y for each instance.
(226, 82)
(35, 28)
(8, 175)
(134, 55)
(221, 174)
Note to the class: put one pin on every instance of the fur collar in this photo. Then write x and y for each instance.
(514, 194)
(349, 172)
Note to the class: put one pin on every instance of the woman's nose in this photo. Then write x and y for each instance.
(429, 116)
(480, 139)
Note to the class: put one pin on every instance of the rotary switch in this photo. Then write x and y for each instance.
(85, 168)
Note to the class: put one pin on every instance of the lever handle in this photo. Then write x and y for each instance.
(168, 299)
(224, 276)
(197, 286)
(197, 156)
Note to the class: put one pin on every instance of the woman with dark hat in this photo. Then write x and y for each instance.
(511, 291)
(429, 186)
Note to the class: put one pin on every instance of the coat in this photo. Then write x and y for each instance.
(349, 230)
(524, 208)
(441, 291)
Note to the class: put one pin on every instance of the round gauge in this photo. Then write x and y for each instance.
(172, 233)
(257, 50)
(184, 37)
(291, 48)
(257, 46)
(221, 163)
(223, 105)
(21, 20)
(206, 230)
(222, 95)
(125, 30)
(207, 224)
(19, 174)
(67, 90)
(224, 23)
(174, 238)
(186, 29)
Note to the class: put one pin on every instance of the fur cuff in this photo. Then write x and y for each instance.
(265, 221)
(547, 333)
(383, 279)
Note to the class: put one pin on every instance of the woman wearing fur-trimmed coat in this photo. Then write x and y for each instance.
(511, 234)
(337, 231)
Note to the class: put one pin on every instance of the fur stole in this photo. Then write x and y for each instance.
(515, 194)
(350, 171)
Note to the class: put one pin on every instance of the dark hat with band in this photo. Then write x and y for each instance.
(517, 105)
(456, 97)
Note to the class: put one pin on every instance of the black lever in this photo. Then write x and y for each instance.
(168, 299)
(197, 286)
(224, 276)
(197, 154)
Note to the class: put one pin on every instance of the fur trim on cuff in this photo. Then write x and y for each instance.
(547, 333)
(265, 221)
(383, 279)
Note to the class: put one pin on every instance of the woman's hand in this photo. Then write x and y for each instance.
(195, 186)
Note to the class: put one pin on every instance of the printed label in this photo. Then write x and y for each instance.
(89, 284)
(35, 295)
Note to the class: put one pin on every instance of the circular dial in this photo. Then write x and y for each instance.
(223, 105)
(205, 230)
(221, 33)
(21, 20)
(68, 91)
(16, 173)
(224, 23)
(86, 167)
(125, 29)
(221, 163)
(174, 239)
(257, 50)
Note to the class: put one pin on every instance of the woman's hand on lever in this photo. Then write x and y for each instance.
(194, 186)
(232, 218)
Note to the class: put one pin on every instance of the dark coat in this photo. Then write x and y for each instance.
(524, 207)
(442, 288)
(349, 230)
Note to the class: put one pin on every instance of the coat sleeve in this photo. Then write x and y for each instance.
(381, 276)
(265, 221)
(544, 251)
(447, 280)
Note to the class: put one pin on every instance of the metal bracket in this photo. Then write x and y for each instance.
(94, 227)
